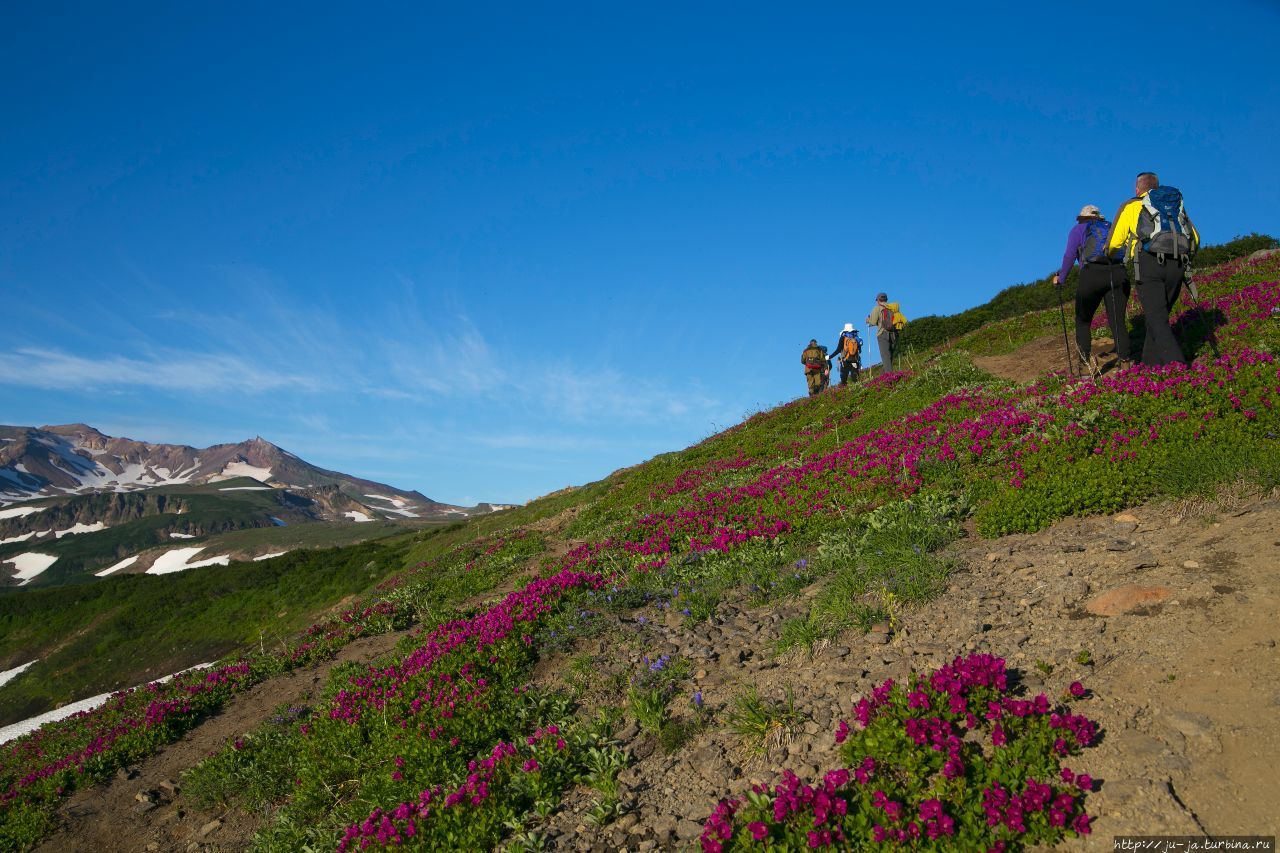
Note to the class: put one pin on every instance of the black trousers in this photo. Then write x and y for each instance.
(848, 369)
(1158, 288)
(1107, 284)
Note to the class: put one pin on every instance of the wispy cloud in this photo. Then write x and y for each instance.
(430, 356)
(169, 371)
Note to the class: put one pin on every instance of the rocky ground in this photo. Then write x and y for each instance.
(1167, 614)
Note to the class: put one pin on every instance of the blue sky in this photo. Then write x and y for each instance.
(489, 252)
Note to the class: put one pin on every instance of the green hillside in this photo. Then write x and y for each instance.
(838, 508)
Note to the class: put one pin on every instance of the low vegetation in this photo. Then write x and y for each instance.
(455, 741)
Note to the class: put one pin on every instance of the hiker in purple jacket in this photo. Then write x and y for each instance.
(1103, 279)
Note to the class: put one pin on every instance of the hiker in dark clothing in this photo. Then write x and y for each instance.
(1102, 280)
(1154, 230)
(816, 366)
(848, 349)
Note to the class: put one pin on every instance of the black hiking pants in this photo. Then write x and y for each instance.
(1106, 284)
(1158, 288)
(848, 368)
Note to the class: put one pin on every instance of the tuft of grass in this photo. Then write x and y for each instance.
(762, 724)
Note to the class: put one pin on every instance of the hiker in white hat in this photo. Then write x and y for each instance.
(1103, 280)
(848, 349)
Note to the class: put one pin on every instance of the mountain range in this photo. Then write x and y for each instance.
(74, 496)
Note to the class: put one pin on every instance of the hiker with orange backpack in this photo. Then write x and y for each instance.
(848, 349)
(1152, 230)
(1103, 280)
(817, 369)
(887, 320)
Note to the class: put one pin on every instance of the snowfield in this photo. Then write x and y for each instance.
(80, 528)
(269, 556)
(356, 515)
(242, 469)
(19, 511)
(182, 536)
(125, 563)
(29, 565)
(176, 561)
(10, 674)
(245, 489)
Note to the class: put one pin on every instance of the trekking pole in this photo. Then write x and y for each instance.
(1066, 343)
(1210, 335)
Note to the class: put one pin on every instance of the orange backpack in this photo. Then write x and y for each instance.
(849, 347)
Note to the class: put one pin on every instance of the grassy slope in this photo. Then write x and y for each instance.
(790, 437)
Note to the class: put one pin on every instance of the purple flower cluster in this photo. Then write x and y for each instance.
(910, 765)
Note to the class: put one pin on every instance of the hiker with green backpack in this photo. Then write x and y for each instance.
(1153, 231)
(1103, 280)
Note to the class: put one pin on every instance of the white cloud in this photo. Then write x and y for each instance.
(171, 371)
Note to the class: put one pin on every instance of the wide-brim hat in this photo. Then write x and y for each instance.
(882, 297)
(848, 327)
(1089, 211)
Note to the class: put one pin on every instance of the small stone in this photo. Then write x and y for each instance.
(1125, 599)
(1126, 518)
(210, 828)
(1120, 528)
(876, 638)
(1120, 545)
(144, 797)
(1190, 564)
(144, 807)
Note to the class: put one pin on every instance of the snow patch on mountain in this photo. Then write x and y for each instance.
(182, 536)
(242, 469)
(79, 528)
(123, 564)
(20, 511)
(176, 561)
(356, 515)
(30, 565)
(245, 489)
(23, 538)
(10, 674)
(259, 559)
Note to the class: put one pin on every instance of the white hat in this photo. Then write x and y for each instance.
(848, 327)
(1089, 211)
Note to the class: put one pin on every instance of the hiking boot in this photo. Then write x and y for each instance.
(1123, 363)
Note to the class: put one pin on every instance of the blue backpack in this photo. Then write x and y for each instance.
(1163, 228)
(1093, 245)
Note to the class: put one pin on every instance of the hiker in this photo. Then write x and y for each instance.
(816, 367)
(1153, 230)
(884, 318)
(848, 349)
(1102, 280)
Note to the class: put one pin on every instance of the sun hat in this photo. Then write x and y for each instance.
(848, 327)
(882, 297)
(1089, 211)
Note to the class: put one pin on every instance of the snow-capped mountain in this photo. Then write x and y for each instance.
(77, 459)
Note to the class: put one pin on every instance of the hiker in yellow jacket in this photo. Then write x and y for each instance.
(883, 319)
(1153, 230)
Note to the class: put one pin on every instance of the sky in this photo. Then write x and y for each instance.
(487, 251)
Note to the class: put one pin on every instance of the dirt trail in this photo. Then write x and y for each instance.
(110, 816)
(1043, 355)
